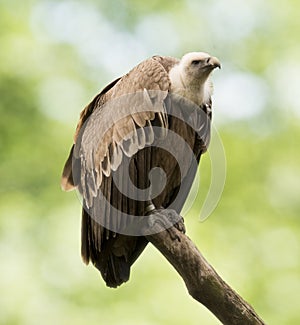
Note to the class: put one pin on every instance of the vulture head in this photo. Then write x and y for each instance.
(190, 78)
(197, 66)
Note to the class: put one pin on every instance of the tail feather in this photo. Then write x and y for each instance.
(114, 271)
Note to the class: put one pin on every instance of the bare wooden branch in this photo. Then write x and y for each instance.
(202, 281)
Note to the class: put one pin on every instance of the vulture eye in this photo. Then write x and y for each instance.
(196, 62)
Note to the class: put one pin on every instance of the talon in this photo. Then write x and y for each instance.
(166, 219)
(180, 226)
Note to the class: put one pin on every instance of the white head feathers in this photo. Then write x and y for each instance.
(190, 78)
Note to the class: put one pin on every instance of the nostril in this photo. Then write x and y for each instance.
(207, 60)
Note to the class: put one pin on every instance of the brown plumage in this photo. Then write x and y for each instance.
(157, 115)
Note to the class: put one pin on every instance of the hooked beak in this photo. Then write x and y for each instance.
(213, 62)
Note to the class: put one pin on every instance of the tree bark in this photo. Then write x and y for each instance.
(202, 281)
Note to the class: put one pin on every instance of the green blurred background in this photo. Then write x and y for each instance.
(54, 57)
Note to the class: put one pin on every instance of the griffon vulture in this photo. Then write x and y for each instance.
(136, 150)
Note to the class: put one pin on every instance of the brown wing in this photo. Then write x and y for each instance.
(98, 154)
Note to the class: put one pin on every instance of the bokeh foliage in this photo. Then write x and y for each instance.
(54, 57)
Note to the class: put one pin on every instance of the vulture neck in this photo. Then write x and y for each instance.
(198, 91)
